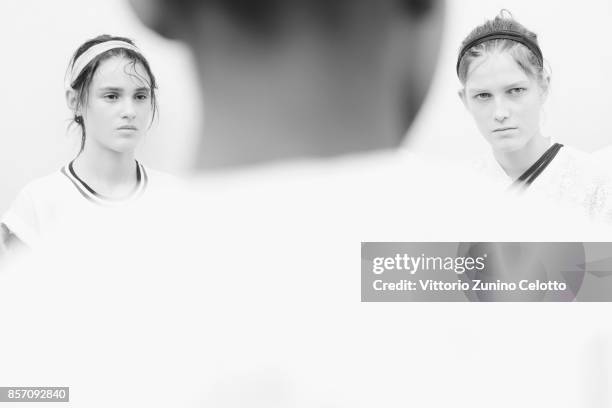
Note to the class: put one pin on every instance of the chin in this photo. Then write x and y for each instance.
(125, 147)
(508, 145)
(125, 144)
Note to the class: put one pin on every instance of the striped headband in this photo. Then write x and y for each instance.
(92, 52)
(502, 35)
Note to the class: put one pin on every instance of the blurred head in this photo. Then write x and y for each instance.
(111, 93)
(504, 83)
(290, 78)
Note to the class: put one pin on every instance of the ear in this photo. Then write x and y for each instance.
(545, 87)
(71, 100)
(461, 94)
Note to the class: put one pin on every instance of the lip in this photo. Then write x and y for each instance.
(503, 129)
(127, 127)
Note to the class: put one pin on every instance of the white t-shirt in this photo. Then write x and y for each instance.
(52, 204)
(603, 157)
(571, 180)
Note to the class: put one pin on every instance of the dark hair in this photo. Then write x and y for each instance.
(262, 18)
(524, 57)
(83, 80)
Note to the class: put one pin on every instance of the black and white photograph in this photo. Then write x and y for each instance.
(306, 203)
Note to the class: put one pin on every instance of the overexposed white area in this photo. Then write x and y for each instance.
(250, 296)
(38, 39)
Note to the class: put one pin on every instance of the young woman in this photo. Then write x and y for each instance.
(505, 84)
(110, 90)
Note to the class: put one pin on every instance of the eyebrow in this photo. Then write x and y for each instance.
(478, 90)
(111, 88)
(116, 89)
(512, 85)
(519, 83)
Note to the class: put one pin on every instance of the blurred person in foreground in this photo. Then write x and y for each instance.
(295, 79)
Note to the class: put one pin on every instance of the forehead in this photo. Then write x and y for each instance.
(120, 72)
(494, 71)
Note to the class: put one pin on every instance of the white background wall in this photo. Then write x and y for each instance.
(38, 37)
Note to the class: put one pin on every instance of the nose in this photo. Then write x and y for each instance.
(128, 110)
(502, 112)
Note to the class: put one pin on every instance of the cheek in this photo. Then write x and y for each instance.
(99, 118)
(98, 110)
(481, 113)
(145, 110)
(529, 112)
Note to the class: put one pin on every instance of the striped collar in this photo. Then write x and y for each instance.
(91, 195)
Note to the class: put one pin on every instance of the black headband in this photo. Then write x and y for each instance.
(502, 35)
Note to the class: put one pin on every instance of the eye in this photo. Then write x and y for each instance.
(111, 96)
(142, 96)
(483, 96)
(517, 91)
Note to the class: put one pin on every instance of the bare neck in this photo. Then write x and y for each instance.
(516, 162)
(108, 172)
